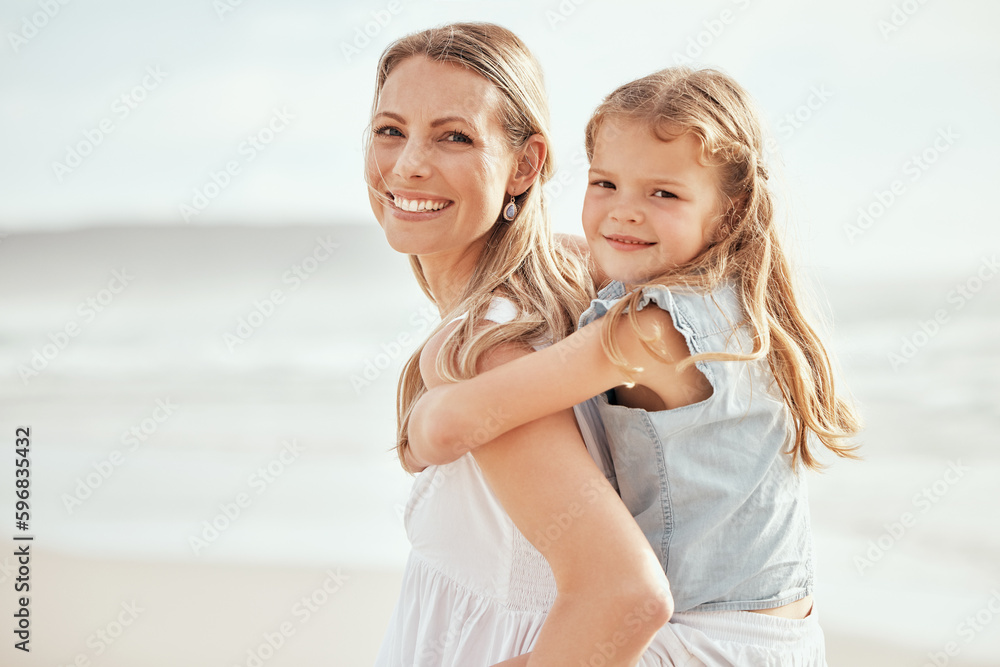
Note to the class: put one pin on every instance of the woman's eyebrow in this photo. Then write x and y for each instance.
(435, 123)
(395, 116)
(451, 119)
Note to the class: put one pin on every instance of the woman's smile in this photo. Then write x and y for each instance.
(415, 206)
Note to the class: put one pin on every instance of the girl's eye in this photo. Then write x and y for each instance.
(459, 137)
(665, 194)
(388, 131)
(604, 184)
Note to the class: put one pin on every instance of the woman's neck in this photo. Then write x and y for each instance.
(448, 274)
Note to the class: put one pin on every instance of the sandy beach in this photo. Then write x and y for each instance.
(229, 614)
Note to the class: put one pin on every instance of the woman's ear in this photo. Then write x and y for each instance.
(530, 160)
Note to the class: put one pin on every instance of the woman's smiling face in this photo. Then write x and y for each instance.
(439, 162)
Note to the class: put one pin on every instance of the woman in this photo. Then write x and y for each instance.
(456, 160)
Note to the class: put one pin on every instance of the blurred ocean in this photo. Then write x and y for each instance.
(200, 409)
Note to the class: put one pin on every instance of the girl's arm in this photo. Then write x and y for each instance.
(612, 593)
(453, 419)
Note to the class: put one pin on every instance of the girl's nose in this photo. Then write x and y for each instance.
(626, 209)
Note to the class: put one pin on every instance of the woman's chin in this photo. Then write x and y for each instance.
(407, 244)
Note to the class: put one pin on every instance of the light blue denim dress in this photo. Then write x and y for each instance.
(711, 484)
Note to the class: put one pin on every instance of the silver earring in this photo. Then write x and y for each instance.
(510, 210)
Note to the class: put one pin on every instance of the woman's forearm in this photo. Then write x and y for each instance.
(614, 631)
(612, 593)
(519, 661)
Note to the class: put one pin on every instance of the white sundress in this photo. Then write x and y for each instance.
(475, 592)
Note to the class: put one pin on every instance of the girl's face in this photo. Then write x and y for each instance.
(439, 162)
(650, 205)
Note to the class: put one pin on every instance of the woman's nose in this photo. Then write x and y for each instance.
(412, 161)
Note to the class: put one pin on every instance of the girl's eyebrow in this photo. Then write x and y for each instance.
(653, 178)
(435, 123)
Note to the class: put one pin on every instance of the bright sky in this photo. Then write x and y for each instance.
(115, 112)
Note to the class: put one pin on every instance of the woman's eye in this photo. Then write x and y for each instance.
(604, 184)
(665, 194)
(388, 131)
(459, 137)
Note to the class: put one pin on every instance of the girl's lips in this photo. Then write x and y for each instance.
(627, 243)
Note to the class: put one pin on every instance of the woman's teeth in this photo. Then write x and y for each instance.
(418, 205)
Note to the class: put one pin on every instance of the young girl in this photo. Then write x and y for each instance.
(717, 387)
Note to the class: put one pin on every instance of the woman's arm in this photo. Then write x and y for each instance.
(612, 593)
(453, 419)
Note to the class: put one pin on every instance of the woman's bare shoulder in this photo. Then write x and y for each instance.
(496, 355)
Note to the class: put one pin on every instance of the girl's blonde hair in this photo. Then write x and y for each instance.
(746, 248)
(548, 283)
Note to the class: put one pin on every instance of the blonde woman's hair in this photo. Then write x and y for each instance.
(746, 248)
(548, 283)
